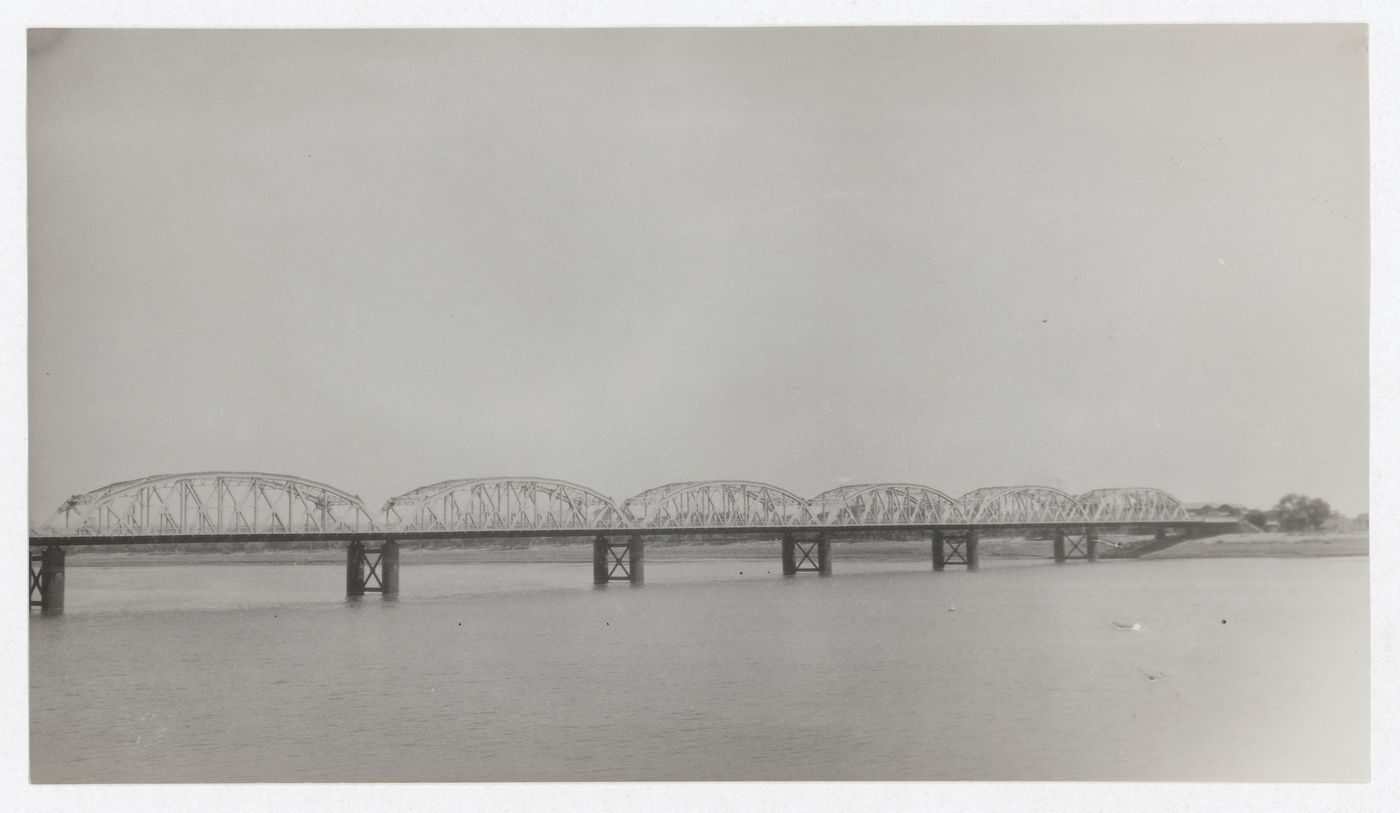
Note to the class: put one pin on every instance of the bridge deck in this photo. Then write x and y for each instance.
(1201, 527)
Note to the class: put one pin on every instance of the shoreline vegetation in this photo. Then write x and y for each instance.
(1278, 545)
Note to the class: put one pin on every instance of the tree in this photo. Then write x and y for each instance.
(1297, 512)
(1257, 518)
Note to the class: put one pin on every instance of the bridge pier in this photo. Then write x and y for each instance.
(1077, 543)
(600, 560)
(46, 577)
(811, 556)
(372, 570)
(635, 562)
(355, 569)
(956, 548)
(789, 555)
(613, 562)
(389, 564)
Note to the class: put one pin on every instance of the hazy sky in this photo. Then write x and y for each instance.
(1078, 257)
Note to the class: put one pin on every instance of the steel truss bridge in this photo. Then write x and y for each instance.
(244, 505)
(214, 507)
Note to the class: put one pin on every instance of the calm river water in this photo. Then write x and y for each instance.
(1244, 669)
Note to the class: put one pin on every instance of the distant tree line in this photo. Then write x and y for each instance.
(1295, 512)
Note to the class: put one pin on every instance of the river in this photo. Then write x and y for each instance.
(1242, 670)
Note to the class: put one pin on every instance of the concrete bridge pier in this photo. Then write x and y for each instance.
(389, 567)
(789, 555)
(823, 555)
(974, 559)
(600, 560)
(938, 560)
(46, 576)
(355, 569)
(635, 562)
(1091, 544)
(1059, 546)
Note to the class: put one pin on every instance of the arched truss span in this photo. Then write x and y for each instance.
(503, 504)
(885, 504)
(213, 503)
(1010, 505)
(1132, 505)
(718, 504)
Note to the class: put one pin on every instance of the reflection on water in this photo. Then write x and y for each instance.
(1250, 669)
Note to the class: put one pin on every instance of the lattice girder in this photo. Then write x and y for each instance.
(1132, 505)
(210, 503)
(718, 504)
(1011, 505)
(885, 504)
(503, 504)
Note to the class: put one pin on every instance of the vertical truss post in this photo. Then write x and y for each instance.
(634, 559)
(789, 555)
(1091, 544)
(823, 555)
(389, 568)
(973, 559)
(355, 569)
(600, 559)
(1059, 546)
(938, 560)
